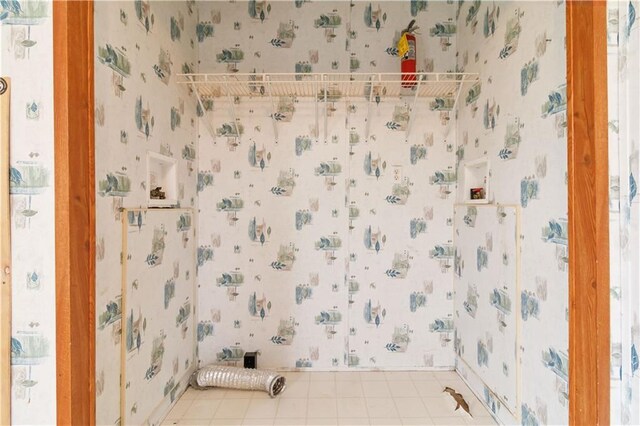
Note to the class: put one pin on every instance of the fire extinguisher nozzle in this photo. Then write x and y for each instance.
(410, 26)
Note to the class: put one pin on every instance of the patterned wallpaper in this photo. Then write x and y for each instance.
(328, 36)
(335, 252)
(140, 46)
(159, 332)
(486, 285)
(516, 118)
(624, 169)
(26, 57)
(319, 254)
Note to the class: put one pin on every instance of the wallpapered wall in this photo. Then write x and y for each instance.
(343, 281)
(322, 252)
(486, 286)
(516, 117)
(140, 46)
(28, 60)
(624, 66)
(159, 332)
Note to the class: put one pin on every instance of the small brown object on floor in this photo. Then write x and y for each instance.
(460, 401)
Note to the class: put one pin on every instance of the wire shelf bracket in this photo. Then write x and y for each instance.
(274, 118)
(326, 88)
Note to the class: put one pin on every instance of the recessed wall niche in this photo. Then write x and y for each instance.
(162, 184)
(476, 181)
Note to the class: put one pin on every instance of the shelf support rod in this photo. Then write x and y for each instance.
(326, 108)
(233, 108)
(453, 110)
(368, 125)
(347, 115)
(273, 107)
(315, 95)
(411, 111)
(196, 92)
(204, 112)
(460, 84)
(347, 91)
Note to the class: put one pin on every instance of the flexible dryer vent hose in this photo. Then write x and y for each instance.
(238, 378)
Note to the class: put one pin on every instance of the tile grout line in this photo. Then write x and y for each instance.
(361, 395)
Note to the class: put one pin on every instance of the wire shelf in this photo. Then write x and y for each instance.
(335, 86)
(326, 88)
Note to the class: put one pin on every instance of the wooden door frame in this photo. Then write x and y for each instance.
(73, 61)
(588, 167)
(588, 212)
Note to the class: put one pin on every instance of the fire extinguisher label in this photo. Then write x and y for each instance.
(411, 53)
(403, 46)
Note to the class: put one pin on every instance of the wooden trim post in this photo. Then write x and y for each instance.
(74, 210)
(589, 334)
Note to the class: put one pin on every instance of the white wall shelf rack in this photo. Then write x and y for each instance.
(328, 88)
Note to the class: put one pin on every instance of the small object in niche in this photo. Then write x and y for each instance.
(251, 360)
(157, 193)
(477, 193)
(460, 401)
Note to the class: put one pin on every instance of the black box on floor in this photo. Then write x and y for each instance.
(251, 360)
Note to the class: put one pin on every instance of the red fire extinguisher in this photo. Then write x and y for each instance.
(408, 59)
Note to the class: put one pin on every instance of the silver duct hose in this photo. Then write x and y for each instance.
(238, 378)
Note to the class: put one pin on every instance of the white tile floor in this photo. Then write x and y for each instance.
(349, 398)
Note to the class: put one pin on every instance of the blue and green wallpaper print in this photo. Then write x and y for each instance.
(140, 46)
(326, 251)
(516, 117)
(159, 331)
(322, 258)
(336, 251)
(624, 210)
(486, 284)
(27, 59)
